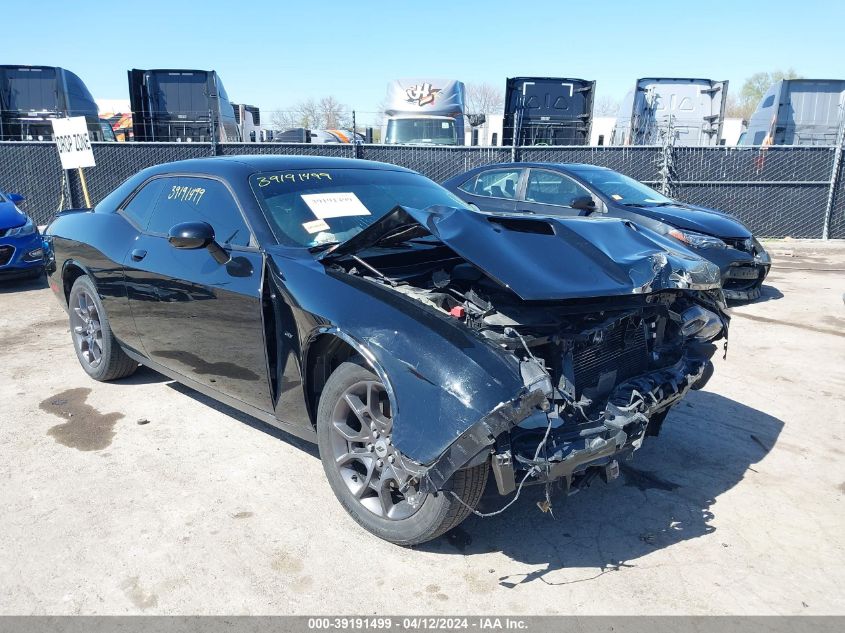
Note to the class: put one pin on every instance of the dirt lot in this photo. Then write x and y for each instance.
(144, 497)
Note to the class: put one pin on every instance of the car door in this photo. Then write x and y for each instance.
(194, 315)
(551, 192)
(494, 189)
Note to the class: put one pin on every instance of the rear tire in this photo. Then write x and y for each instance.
(98, 351)
(351, 451)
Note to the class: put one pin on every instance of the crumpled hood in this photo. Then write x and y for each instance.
(552, 258)
(10, 216)
(699, 219)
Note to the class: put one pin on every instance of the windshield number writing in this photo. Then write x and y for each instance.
(265, 181)
(186, 194)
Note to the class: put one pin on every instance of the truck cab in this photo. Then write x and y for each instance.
(424, 112)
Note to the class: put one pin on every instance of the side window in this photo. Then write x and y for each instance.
(500, 183)
(550, 188)
(187, 199)
(759, 137)
(768, 102)
(469, 185)
(140, 207)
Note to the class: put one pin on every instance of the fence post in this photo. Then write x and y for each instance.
(355, 148)
(213, 129)
(834, 181)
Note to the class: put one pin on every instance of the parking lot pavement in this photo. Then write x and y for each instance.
(142, 496)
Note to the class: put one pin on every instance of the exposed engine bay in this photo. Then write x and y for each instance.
(610, 368)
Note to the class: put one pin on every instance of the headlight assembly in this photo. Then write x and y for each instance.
(697, 240)
(26, 229)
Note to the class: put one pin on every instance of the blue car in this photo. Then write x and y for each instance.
(21, 245)
(585, 190)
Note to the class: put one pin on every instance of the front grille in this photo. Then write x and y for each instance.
(742, 277)
(621, 354)
(6, 253)
(740, 243)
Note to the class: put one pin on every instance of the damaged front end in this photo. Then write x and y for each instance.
(599, 372)
(596, 383)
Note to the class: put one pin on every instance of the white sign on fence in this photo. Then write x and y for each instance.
(73, 143)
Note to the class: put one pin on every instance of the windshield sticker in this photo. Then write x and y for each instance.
(315, 226)
(265, 181)
(616, 196)
(334, 205)
(186, 194)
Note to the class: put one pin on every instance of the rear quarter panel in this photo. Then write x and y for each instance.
(96, 243)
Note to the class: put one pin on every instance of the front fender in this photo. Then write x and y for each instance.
(441, 378)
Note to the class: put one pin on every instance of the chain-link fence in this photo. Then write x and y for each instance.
(775, 191)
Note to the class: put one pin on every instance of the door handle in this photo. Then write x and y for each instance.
(138, 254)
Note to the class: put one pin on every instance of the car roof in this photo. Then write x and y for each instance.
(564, 166)
(243, 165)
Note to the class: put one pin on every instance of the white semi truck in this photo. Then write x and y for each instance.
(424, 112)
(798, 112)
(694, 110)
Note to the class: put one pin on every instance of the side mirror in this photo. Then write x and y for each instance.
(191, 235)
(16, 198)
(194, 235)
(584, 203)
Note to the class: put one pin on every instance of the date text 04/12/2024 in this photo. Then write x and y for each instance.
(482, 623)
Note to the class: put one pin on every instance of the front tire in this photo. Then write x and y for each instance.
(98, 351)
(364, 469)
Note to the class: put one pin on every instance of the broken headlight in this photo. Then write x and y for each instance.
(697, 240)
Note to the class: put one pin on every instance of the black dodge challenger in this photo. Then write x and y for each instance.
(420, 343)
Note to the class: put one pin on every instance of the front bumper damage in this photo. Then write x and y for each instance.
(573, 453)
(744, 282)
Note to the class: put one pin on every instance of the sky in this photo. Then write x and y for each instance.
(275, 54)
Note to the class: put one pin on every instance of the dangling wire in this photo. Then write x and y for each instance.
(531, 471)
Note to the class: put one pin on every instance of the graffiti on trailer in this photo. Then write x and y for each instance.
(421, 94)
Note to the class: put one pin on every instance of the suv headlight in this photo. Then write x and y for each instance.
(697, 240)
(26, 229)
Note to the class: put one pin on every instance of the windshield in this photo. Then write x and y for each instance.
(312, 208)
(621, 188)
(28, 89)
(435, 131)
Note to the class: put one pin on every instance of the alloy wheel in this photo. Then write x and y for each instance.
(364, 455)
(87, 330)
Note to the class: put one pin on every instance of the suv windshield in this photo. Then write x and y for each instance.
(314, 207)
(408, 131)
(621, 188)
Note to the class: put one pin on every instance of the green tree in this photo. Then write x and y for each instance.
(753, 90)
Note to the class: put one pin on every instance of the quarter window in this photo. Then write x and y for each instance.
(548, 187)
(499, 183)
(189, 199)
(140, 207)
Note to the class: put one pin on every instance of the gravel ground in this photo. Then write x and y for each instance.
(142, 496)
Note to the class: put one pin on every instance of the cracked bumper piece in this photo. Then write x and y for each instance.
(744, 282)
(573, 447)
(474, 444)
(574, 452)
